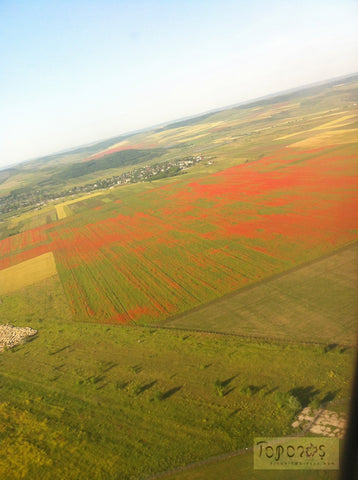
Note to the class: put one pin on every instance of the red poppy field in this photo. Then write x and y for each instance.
(177, 246)
(243, 265)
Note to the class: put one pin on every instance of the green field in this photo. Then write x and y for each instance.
(92, 401)
(241, 466)
(188, 314)
(313, 303)
(109, 402)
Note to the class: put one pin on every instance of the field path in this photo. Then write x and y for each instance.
(264, 338)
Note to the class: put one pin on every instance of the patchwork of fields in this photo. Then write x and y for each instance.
(27, 273)
(63, 209)
(258, 241)
(169, 249)
(317, 302)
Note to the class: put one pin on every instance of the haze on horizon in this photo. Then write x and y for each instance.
(74, 72)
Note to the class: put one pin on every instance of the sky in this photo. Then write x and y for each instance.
(73, 72)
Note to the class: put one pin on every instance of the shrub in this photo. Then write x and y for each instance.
(294, 404)
(286, 400)
(219, 389)
(247, 390)
(135, 390)
(158, 396)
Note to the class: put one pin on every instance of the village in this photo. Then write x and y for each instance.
(147, 173)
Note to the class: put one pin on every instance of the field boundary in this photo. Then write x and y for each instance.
(250, 337)
(27, 272)
(263, 281)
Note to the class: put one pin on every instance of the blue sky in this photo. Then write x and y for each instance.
(73, 72)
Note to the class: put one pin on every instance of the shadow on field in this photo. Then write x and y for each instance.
(107, 366)
(95, 379)
(30, 339)
(273, 389)
(147, 386)
(136, 368)
(305, 395)
(227, 382)
(60, 350)
(234, 413)
(171, 392)
(58, 367)
(256, 388)
(330, 396)
(121, 385)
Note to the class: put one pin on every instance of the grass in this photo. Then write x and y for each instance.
(107, 402)
(241, 466)
(92, 401)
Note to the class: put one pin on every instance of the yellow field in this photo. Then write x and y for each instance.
(63, 210)
(27, 273)
(338, 122)
(326, 113)
(336, 137)
(194, 132)
(179, 133)
(327, 132)
(269, 112)
(224, 139)
(190, 139)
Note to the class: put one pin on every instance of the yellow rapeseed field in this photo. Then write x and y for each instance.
(27, 273)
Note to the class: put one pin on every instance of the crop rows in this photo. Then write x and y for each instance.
(168, 249)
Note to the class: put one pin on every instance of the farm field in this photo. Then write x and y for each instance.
(230, 468)
(104, 402)
(64, 210)
(252, 251)
(27, 273)
(194, 240)
(317, 302)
